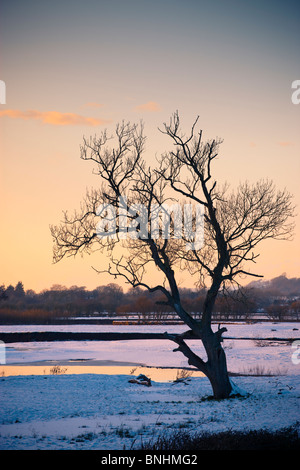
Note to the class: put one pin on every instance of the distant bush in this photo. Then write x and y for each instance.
(259, 370)
(283, 439)
(28, 316)
(57, 370)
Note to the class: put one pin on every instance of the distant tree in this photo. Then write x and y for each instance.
(238, 305)
(295, 309)
(277, 312)
(3, 294)
(110, 297)
(19, 290)
(30, 293)
(10, 291)
(58, 287)
(234, 224)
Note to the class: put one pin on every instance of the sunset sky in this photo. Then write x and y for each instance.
(74, 68)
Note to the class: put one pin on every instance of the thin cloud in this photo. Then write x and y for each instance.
(93, 104)
(150, 106)
(54, 118)
(285, 144)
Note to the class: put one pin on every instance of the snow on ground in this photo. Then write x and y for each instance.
(105, 411)
(108, 412)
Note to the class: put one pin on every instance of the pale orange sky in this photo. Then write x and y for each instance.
(74, 74)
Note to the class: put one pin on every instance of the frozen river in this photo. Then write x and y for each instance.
(243, 356)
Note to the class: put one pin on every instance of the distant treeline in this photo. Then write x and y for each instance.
(278, 299)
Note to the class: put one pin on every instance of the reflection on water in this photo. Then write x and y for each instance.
(155, 374)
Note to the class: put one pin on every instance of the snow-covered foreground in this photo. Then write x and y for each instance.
(102, 410)
(107, 412)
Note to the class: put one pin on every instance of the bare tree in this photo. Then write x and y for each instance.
(234, 223)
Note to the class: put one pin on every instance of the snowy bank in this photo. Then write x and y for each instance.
(107, 412)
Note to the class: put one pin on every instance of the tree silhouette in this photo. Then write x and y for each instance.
(235, 222)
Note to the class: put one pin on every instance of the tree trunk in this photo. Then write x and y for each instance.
(216, 366)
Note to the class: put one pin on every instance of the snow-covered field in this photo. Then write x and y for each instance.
(93, 406)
